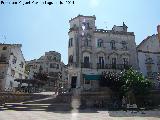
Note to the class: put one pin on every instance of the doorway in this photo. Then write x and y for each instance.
(73, 82)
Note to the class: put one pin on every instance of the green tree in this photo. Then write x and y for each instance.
(111, 80)
(135, 82)
(126, 81)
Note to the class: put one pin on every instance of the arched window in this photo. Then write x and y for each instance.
(70, 59)
(70, 42)
(100, 43)
(125, 61)
(86, 42)
(86, 63)
(124, 45)
(113, 46)
(101, 62)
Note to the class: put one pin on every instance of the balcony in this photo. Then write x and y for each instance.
(149, 61)
(3, 60)
(1, 76)
(152, 74)
(73, 64)
(85, 47)
(113, 66)
(86, 65)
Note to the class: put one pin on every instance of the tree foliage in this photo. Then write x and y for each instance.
(135, 82)
(126, 81)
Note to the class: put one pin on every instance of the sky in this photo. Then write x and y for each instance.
(42, 27)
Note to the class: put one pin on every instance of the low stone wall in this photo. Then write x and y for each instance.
(95, 99)
(12, 97)
(64, 98)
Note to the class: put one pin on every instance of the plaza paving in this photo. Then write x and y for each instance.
(45, 109)
(21, 111)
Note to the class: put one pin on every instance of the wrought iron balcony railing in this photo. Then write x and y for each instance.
(1, 76)
(85, 47)
(3, 60)
(149, 61)
(113, 66)
(72, 64)
(86, 65)
(152, 74)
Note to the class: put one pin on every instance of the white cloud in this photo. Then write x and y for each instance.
(94, 3)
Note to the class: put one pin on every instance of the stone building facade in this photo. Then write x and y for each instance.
(92, 51)
(50, 64)
(149, 58)
(12, 66)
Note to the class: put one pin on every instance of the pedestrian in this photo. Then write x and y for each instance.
(124, 104)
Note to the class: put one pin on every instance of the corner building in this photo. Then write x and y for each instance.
(92, 51)
(12, 66)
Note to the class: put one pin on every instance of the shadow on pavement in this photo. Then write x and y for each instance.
(149, 113)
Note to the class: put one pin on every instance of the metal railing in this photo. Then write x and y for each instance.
(3, 60)
(86, 65)
(113, 66)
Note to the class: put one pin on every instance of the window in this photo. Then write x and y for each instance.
(124, 45)
(149, 60)
(11, 84)
(21, 64)
(125, 61)
(3, 58)
(158, 59)
(159, 68)
(34, 66)
(70, 59)
(49, 57)
(86, 43)
(100, 43)
(84, 25)
(55, 59)
(12, 72)
(20, 76)
(74, 26)
(101, 62)
(57, 66)
(14, 60)
(149, 68)
(53, 65)
(113, 61)
(87, 81)
(86, 63)
(4, 48)
(86, 59)
(70, 42)
(112, 43)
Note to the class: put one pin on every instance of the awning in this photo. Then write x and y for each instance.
(92, 77)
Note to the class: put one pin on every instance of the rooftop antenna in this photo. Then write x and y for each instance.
(4, 39)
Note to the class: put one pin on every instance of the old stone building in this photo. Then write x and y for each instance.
(50, 64)
(149, 58)
(12, 66)
(92, 51)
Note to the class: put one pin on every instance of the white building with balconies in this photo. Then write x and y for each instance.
(52, 65)
(92, 51)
